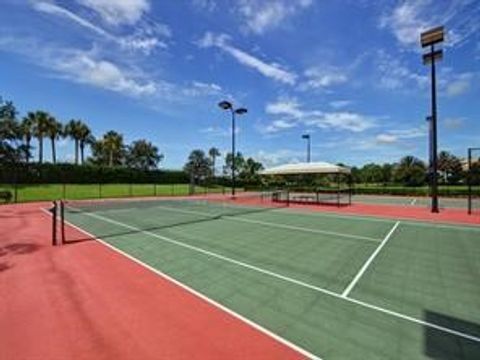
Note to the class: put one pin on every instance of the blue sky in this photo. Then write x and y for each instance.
(347, 72)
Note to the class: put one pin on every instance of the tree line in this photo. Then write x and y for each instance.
(202, 166)
(17, 136)
(411, 171)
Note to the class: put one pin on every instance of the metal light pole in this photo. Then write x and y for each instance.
(226, 105)
(469, 179)
(307, 137)
(429, 39)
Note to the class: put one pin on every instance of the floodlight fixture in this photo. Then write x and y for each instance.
(225, 105)
(434, 56)
(432, 36)
(241, 111)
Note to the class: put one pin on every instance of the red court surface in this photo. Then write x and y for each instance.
(86, 301)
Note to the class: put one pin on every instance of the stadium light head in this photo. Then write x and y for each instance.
(432, 36)
(306, 136)
(436, 55)
(241, 111)
(225, 105)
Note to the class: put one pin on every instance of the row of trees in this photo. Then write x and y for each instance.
(202, 166)
(16, 141)
(411, 171)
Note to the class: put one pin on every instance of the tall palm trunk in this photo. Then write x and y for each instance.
(40, 150)
(54, 153)
(76, 151)
(110, 158)
(28, 139)
(82, 149)
(213, 166)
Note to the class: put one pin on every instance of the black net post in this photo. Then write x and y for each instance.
(54, 211)
(62, 220)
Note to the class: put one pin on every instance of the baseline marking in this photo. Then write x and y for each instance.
(369, 260)
(197, 293)
(413, 201)
(293, 281)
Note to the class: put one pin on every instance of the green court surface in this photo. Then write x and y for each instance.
(340, 287)
(453, 203)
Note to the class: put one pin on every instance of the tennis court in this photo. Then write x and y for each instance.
(444, 202)
(334, 286)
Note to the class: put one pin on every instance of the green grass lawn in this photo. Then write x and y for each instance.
(91, 191)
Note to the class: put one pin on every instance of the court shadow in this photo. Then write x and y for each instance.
(20, 248)
(442, 346)
(4, 267)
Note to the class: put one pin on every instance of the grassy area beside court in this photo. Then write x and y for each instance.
(41, 192)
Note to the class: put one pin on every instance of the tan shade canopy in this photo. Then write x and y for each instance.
(306, 168)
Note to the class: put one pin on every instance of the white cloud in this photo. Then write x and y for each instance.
(277, 157)
(117, 12)
(270, 70)
(339, 104)
(81, 67)
(405, 21)
(291, 114)
(262, 15)
(400, 135)
(322, 77)
(394, 75)
(410, 18)
(460, 85)
(386, 138)
(219, 131)
(144, 39)
(199, 88)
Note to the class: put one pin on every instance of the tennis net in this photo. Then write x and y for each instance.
(105, 218)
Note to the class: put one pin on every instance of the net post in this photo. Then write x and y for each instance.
(54, 223)
(62, 221)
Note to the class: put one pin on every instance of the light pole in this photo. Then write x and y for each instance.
(469, 179)
(226, 105)
(307, 137)
(429, 39)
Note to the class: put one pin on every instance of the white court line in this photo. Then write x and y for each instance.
(413, 201)
(265, 223)
(293, 281)
(367, 263)
(373, 218)
(200, 295)
(297, 228)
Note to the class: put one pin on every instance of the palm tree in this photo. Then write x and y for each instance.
(213, 153)
(85, 137)
(113, 145)
(27, 128)
(73, 130)
(142, 154)
(54, 130)
(411, 171)
(40, 130)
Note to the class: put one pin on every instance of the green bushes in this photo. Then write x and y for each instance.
(86, 174)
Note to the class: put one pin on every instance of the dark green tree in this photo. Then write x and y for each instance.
(198, 165)
(54, 130)
(213, 153)
(410, 171)
(142, 154)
